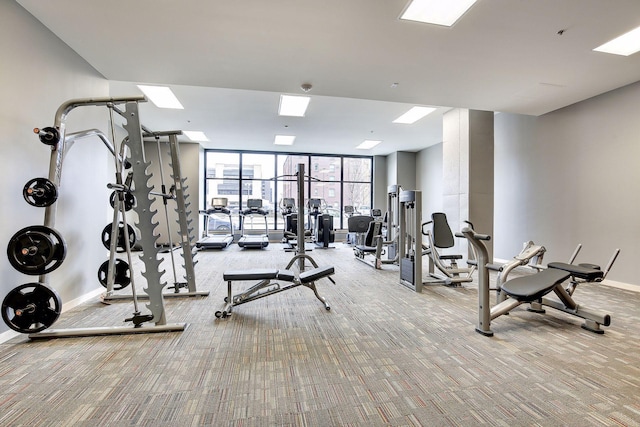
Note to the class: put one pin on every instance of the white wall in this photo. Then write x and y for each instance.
(38, 73)
(380, 183)
(569, 177)
(429, 179)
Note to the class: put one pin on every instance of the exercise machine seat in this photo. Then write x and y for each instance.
(442, 235)
(535, 286)
(582, 271)
(373, 231)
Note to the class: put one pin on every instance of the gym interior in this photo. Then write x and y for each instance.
(359, 346)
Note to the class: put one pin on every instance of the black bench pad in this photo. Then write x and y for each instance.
(535, 286)
(259, 274)
(366, 248)
(581, 271)
(315, 274)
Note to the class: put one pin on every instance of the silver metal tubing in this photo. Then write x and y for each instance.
(484, 306)
(114, 330)
(610, 263)
(300, 249)
(574, 255)
(65, 108)
(156, 134)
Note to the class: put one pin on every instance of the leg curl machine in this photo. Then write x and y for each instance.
(533, 289)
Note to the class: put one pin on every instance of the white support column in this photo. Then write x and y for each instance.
(468, 171)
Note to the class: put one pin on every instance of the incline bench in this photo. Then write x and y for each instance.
(268, 285)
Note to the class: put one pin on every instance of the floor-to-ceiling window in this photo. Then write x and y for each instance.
(337, 181)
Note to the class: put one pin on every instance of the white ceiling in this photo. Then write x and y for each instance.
(228, 61)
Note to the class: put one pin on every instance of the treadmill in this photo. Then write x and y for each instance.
(255, 233)
(218, 229)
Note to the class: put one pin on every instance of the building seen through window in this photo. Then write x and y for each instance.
(337, 180)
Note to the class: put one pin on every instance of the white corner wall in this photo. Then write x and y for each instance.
(38, 73)
(429, 179)
(569, 177)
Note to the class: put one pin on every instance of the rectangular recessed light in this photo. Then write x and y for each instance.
(294, 106)
(161, 96)
(195, 135)
(368, 144)
(625, 45)
(413, 115)
(284, 139)
(439, 12)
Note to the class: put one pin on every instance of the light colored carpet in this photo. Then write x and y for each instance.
(383, 356)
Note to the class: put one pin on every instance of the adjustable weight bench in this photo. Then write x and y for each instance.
(268, 284)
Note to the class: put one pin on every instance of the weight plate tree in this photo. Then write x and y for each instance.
(40, 192)
(30, 308)
(36, 250)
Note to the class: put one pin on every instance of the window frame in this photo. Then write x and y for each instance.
(242, 198)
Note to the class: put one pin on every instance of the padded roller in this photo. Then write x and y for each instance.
(286, 275)
(535, 286)
(315, 274)
(257, 274)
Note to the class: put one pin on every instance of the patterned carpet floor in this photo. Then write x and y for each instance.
(382, 356)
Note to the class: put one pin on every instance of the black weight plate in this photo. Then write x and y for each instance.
(30, 308)
(36, 250)
(129, 200)
(122, 276)
(40, 192)
(120, 245)
(49, 136)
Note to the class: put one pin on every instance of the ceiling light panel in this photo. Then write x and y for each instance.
(293, 106)
(195, 135)
(284, 140)
(368, 144)
(625, 45)
(439, 12)
(161, 96)
(413, 115)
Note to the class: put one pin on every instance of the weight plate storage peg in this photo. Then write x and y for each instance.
(106, 237)
(30, 308)
(40, 192)
(129, 200)
(36, 250)
(121, 278)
